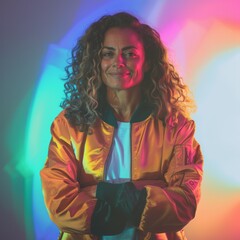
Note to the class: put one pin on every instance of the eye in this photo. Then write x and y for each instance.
(107, 54)
(130, 54)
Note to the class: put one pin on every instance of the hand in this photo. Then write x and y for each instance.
(131, 202)
(107, 220)
(110, 192)
(125, 197)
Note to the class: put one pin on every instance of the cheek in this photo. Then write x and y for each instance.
(103, 69)
(102, 66)
(140, 67)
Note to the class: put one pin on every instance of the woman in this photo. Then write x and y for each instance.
(123, 162)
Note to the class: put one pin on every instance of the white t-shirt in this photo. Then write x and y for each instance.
(119, 160)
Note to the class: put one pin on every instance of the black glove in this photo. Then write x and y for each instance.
(107, 220)
(125, 197)
(110, 192)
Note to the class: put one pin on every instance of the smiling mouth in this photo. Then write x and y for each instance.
(119, 74)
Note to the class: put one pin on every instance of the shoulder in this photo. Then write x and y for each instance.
(179, 121)
(61, 125)
(180, 128)
(61, 119)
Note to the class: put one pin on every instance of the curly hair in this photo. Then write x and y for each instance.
(162, 87)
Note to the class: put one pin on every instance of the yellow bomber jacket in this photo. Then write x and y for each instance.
(165, 159)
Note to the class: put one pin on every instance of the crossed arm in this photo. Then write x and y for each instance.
(170, 202)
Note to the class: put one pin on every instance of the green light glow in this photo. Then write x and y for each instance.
(49, 93)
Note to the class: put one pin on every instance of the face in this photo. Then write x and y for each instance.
(122, 59)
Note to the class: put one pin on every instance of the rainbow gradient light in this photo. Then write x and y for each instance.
(204, 43)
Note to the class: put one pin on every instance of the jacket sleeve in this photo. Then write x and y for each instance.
(169, 208)
(69, 206)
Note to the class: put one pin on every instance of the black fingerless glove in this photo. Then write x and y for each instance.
(124, 197)
(107, 220)
(110, 192)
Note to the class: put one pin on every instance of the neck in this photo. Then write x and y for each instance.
(124, 102)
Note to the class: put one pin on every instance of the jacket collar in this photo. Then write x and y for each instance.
(140, 114)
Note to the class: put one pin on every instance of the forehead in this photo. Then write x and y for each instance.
(122, 37)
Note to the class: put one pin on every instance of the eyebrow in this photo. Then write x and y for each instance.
(124, 49)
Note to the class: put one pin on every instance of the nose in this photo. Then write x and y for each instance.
(119, 61)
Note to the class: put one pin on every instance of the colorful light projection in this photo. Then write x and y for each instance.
(204, 43)
(218, 97)
(45, 108)
(219, 80)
